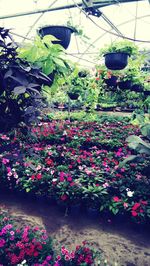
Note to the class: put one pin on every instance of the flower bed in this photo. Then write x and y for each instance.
(33, 247)
(77, 162)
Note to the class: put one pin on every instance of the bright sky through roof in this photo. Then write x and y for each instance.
(137, 14)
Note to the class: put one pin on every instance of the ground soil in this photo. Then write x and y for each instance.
(121, 242)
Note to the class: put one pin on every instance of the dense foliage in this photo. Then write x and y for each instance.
(31, 246)
(78, 162)
(20, 86)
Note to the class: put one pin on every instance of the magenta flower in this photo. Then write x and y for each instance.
(2, 242)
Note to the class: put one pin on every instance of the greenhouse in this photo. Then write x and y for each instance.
(75, 133)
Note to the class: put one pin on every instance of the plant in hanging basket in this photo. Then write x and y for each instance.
(83, 73)
(73, 95)
(112, 81)
(138, 82)
(137, 87)
(47, 56)
(125, 85)
(106, 76)
(116, 55)
(62, 33)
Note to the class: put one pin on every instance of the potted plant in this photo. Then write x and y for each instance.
(138, 82)
(83, 73)
(47, 56)
(106, 76)
(75, 84)
(20, 86)
(125, 78)
(116, 55)
(74, 93)
(61, 33)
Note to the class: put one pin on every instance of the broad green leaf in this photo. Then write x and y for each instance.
(19, 90)
(129, 159)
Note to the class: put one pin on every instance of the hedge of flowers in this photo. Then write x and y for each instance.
(77, 162)
(33, 247)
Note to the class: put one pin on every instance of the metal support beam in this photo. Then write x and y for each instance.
(97, 4)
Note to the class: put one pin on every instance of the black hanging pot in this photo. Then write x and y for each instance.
(146, 93)
(125, 85)
(62, 33)
(116, 61)
(73, 96)
(137, 88)
(82, 74)
(111, 82)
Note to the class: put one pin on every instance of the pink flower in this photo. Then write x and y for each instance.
(69, 178)
(58, 257)
(5, 137)
(67, 257)
(12, 233)
(62, 176)
(105, 185)
(5, 161)
(125, 205)
(2, 242)
(48, 257)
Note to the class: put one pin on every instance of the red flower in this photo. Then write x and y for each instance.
(39, 176)
(136, 206)
(134, 213)
(32, 177)
(35, 254)
(64, 197)
(49, 162)
(116, 199)
(61, 178)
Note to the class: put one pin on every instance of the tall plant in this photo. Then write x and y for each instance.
(20, 86)
(47, 56)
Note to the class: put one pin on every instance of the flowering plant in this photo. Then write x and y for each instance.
(32, 247)
(18, 244)
(83, 255)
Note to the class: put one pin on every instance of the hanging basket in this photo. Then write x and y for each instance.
(82, 74)
(73, 96)
(62, 33)
(116, 61)
(146, 93)
(125, 85)
(111, 82)
(137, 88)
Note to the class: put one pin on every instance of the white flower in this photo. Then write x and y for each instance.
(130, 193)
(64, 133)
(38, 167)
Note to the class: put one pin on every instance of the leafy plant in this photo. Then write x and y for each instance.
(142, 147)
(20, 86)
(123, 46)
(47, 56)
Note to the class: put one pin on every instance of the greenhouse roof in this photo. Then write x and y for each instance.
(99, 22)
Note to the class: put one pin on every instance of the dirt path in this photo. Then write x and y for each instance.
(120, 242)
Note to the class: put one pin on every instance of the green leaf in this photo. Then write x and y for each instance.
(129, 159)
(19, 90)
